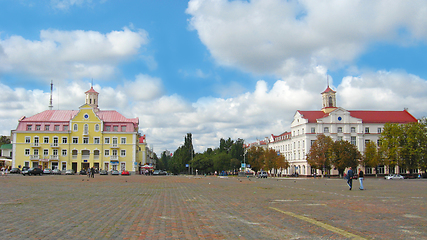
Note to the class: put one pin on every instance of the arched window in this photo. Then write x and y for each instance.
(331, 104)
(75, 128)
(97, 127)
(86, 129)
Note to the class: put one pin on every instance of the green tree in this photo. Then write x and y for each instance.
(344, 154)
(391, 142)
(371, 157)
(319, 156)
(182, 156)
(4, 140)
(254, 157)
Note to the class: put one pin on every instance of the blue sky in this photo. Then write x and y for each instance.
(215, 68)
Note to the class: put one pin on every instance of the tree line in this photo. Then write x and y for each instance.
(227, 157)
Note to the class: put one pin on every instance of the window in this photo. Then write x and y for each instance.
(38, 127)
(46, 140)
(326, 130)
(114, 152)
(36, 152)
(86, 129)
(123, 140)
(29, 127)
(64, 166)
(27, 152)
(65, 127)
(312, 142)
(75, 127)
(302, 131)
(55, 141)
(123, 166)
(107, 140)
(122, 153)
(27, 139)
(353, 140)
(115, 128)
(85, 140)
(339, 129)
(123, 128)
(379, 130)
(107, 128)
(366, 142)
(64, 152)
(339, 138)
(45, 152)
(64, 140)
(46, 127)
(366, 130)
(115, 142)
(97, 127)
(36, 141)
(56, 127)
(55, 152)
(313, 130)
(353, 129)
(107, 152)
(96, 140)
(75, 140)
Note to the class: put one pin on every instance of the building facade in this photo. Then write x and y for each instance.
(78, 139)
(356, 127)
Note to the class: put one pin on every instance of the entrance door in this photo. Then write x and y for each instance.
(45, 165)
(74, 166)
(85, 166)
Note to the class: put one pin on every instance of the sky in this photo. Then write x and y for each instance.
(213, 68)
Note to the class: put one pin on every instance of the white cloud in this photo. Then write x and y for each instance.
(250, 115)
(282, 37)
(70, 54)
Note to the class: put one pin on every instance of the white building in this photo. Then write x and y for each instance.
(357, 127)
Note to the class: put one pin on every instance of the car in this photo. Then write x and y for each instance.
(125, 173)
(33, 171)
(115, 172)
(69, 172)
(82, 172)
(159, 172)
(56, 171)
(47, 171)
(15, 170)
(103, 172)
(393, 176)
(262, 174)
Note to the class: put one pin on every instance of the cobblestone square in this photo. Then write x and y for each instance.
(188, 207)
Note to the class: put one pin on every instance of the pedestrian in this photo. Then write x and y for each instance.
(350, 176)
(92, 171)
(88, 172)
(361, 179)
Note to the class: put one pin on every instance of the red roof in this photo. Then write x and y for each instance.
(142, 139)
(91, 90)
(367, 116)
(328, 89)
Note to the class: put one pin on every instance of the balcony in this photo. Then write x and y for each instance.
(114, 157)
(35, 144)
(114, 145)
(54, 145)
(54, 157)
(85, 156)
(34, 157)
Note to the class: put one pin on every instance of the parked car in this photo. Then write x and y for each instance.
(69, 172)
(115, 172)
(159, 172)
(393, 176)
(83, 172)
(103, 172)
(56, 171)
(262, 174)
(15, 170)
(47, 171)
(125, 173)
(33, 171)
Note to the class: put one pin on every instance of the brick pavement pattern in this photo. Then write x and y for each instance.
(188, 207)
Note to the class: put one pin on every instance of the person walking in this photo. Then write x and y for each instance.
(350, 176)
(361, 179)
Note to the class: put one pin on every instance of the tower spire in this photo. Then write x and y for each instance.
(51, 90)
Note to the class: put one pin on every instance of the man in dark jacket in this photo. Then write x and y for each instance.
(350, 176)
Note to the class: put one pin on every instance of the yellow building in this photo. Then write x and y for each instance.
(78, 139)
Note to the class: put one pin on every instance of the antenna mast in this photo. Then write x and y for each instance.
(51, 90)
